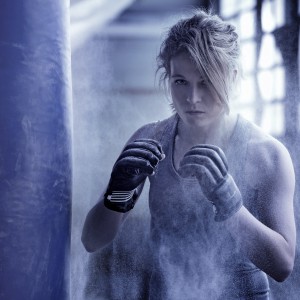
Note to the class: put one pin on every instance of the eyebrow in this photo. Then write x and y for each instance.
(202, 79)
(177, 75)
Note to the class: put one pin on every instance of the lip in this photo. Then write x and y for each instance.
(195, 112)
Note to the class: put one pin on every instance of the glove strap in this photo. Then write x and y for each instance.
(120, 201)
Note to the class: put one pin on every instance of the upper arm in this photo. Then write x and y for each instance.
(271, 172)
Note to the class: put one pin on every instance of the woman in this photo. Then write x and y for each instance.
(221, 190)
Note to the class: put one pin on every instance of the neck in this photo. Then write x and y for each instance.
(216, 133)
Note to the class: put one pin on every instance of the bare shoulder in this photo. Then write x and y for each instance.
(268, 161)
(269, 170)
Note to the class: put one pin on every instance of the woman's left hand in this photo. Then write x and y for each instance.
(209, 165)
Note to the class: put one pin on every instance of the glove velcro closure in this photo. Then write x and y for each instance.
(227, 199)
(120, 201)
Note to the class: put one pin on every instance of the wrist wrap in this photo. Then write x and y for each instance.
(227, 200)
(120, 201)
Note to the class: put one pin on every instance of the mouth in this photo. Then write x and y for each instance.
(195, 112)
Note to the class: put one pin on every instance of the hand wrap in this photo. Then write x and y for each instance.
(209, 165)
(227, 199)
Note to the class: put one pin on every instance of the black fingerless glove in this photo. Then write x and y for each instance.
(137, 161)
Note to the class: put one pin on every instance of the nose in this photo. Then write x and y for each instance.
(195, 95)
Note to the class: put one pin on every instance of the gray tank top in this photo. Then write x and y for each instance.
(196, 257)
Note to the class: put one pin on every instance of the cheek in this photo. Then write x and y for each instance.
(215, 102)
(218, 107)
(178, 93)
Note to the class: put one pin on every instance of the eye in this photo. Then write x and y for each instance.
(180, 82)
(204, 85)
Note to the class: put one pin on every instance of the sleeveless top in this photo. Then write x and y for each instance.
(194, 256)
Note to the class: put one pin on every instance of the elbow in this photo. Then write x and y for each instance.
(89, 247)
(283, 265)
(92, 245)
(283, 274)
(284, 271)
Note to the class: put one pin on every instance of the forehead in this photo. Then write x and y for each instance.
(183, 65)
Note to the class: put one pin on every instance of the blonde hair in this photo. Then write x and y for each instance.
(211, 43)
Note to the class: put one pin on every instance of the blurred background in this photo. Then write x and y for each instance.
(114, 48)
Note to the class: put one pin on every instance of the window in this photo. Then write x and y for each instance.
(262, 92)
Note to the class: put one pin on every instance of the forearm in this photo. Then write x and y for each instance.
(138, 160)
(266, 248)
(100, 227)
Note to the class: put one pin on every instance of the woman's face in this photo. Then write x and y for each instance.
(192, 99)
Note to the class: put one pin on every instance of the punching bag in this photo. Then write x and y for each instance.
(35, 150)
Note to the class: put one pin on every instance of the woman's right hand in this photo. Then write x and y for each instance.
(138, 160)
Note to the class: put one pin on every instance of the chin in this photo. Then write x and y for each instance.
(198, 121)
